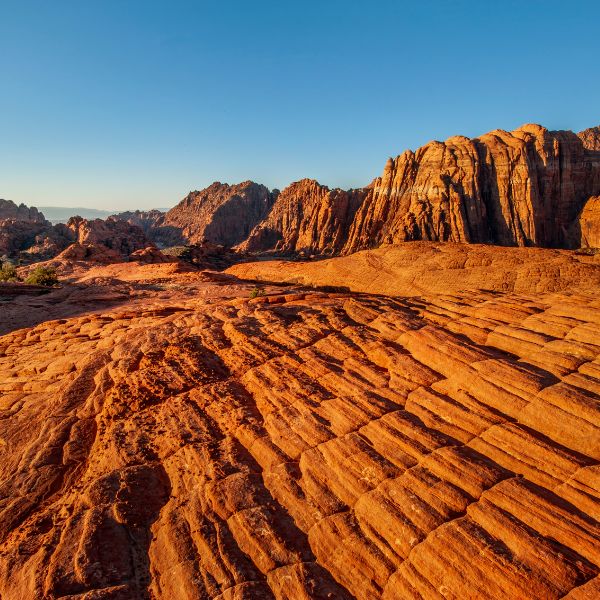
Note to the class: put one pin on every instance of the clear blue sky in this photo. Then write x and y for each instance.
(124, 104)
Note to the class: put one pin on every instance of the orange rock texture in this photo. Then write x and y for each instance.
(307, 217)
(586, 228)
(193, 442)
(417, 268)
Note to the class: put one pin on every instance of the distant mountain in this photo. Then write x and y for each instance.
(61, 214)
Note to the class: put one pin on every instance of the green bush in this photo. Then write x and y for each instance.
(8, 272)
(257, 292)
(42, 276)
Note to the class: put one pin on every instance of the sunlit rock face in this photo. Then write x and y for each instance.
(521, 188)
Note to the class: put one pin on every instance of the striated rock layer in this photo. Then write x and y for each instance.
(436, 268)
(195, 443)
(307, 217)
(520, 188)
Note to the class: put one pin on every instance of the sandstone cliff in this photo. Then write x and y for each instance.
(221, 213)
(521, 188)
(585, 231)
(307, 217)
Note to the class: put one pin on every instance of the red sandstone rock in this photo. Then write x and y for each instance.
(307, 217)
(221, 214)
(521, 188)
(120, 236)
(151, 255)
(185, 441)
(585, 231)
(590, 138)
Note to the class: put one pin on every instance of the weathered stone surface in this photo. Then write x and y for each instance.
(418, 268)
(511, 188)
(191, 441)
(221, 214)
(307, 217)
(119, 236)
(590, 138)
(585, 231)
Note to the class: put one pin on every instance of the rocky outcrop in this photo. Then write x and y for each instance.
(195, 443)
(221, 213)
(10, 210)
(307, 217)
(521, 188)
(151, 255)
(28, 241)
(590, 138)
(585, 231)
(117, 235)
(146, 220)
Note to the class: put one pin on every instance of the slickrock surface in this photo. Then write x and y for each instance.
(195, 443)
(417, 268)
(221, 214)
(307, 217)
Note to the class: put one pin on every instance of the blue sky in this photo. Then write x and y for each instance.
(125, 104)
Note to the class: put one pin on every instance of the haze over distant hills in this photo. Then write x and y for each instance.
(61, 214)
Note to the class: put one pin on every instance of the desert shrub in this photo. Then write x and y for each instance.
(42, 276)
(257, 292)
(8, 272)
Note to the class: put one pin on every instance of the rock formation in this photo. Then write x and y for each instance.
(10, 210)
(585, 231)
(307, 217)
(423, 268)
(194, 443)
(522, 188)
(147, 220)
(221, 214)
(590, 138)
(117, 235)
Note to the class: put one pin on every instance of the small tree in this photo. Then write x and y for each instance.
(42, 276)
(8, 272)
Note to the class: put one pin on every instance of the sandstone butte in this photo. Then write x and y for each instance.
(166, 435)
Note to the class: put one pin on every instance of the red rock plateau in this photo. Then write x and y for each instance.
(171, 434)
